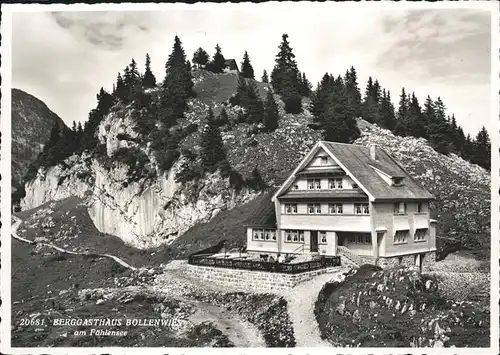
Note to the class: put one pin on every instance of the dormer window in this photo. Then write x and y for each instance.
(397, 181)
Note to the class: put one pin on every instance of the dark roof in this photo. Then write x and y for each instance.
(231, 63)
(307, 194)
(357, 160)
(263, 214)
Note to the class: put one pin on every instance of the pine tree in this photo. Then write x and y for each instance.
(352, 91)
(371, 102)
(306, 86)
(80, 129)
(255, 107)
(256, 182)
(429, 118)
(290, 93)
(240, 98)
(271, 114)
(286, 79)
(218, 62)
(416, 126)
(481, 149)
(387, 114)
(337, 119)
(200, 58)
(104, 103)
(321, 96)
(148, 80)
(177, 86)
(121, 89)
(74, 127)
(246, 67)
(439, 131)
(212, 146)
(265, 78)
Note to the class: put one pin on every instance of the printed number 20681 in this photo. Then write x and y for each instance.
(30, 322)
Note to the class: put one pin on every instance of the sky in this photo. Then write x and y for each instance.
(63, 58)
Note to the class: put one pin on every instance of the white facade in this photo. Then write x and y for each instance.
(315, 214)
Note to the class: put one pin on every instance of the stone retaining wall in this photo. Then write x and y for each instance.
(408, 260)
(254, 280)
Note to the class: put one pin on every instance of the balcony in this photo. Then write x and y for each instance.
(340, 223)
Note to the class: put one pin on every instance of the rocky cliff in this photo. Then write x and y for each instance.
(150, 211)
(32, 122)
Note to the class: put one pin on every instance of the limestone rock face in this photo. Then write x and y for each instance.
(144, 212)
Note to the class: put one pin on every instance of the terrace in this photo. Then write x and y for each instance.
(217, 256)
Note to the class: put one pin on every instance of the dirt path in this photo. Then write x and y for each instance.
(17, 222)
(241, 333)
(301, 301)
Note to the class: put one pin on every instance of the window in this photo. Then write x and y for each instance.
(420, 235)
(324, 160)
(420, 207)
(290, 208)
(335, 183)
(397, 181)
(354, 186)
(401, 237)
(335, 208)
(310, 184)
(294, 236)
(361, 208)
(400, 208)
(322, 237)
(366, 208)
(296, 186)
(313, 184)
(264, 234)
(360, 239)
(313, 208)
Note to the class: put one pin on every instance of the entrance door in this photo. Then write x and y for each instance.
(314, 241)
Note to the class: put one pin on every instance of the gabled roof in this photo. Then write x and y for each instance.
(358, 164)
(231, 64)
(263, 214)
(357, 161)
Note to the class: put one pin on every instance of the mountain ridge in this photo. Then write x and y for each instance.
(32, 122)
(155, 211)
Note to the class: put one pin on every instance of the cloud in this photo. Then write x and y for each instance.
(446, 45)
(65, 57)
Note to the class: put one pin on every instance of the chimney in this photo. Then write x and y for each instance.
(373, 151)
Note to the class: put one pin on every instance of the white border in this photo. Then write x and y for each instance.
(5, 163)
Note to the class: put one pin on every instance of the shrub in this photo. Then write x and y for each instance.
(136, 160)
(193, 127)
(166, 161)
